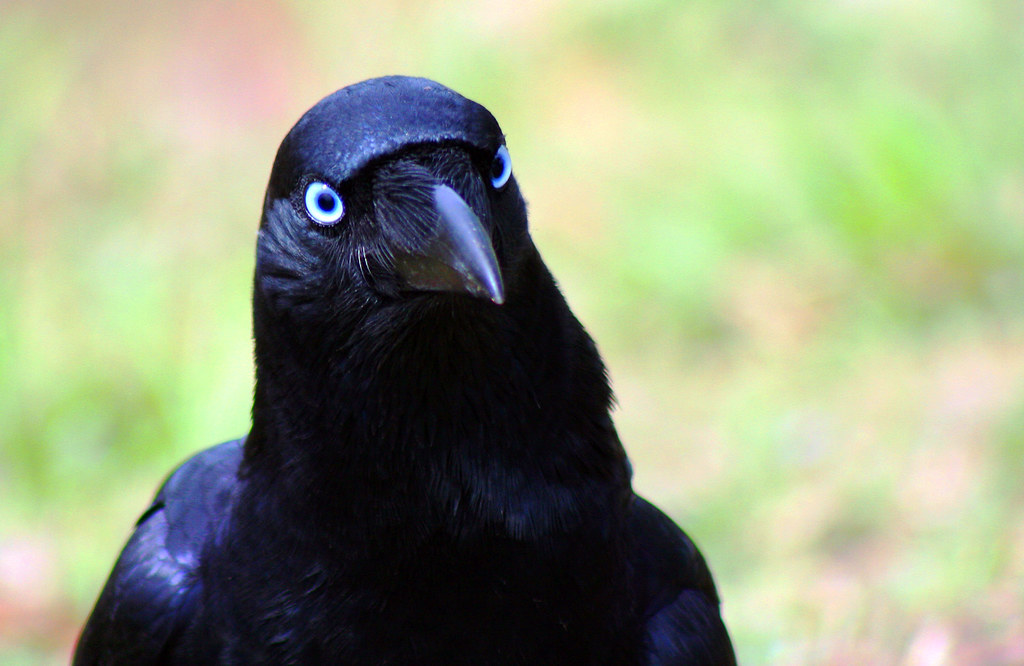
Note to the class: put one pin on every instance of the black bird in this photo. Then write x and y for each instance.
(432, 474)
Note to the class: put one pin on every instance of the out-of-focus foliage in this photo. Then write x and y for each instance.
(796, 230)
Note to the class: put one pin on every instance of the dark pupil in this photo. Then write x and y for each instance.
(326, 202)
(497, 167)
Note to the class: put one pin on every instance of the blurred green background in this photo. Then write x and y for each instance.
(795, 229)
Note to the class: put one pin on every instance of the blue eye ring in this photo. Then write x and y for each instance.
(323, 204)
(501, 168)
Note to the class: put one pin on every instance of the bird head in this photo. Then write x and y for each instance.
(403, 319)
(389, 189)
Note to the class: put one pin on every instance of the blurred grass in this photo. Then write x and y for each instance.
(795, 229)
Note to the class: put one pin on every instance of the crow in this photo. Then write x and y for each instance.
(432, 475)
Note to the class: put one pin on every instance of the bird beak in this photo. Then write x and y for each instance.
(458, 258)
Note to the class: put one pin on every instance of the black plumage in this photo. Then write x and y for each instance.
(432, 474)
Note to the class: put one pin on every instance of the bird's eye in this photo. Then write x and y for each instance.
(323, 204)
(501, 168)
